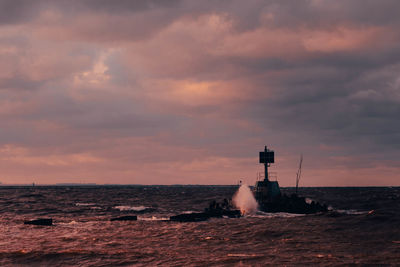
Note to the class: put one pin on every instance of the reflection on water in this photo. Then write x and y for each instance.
(362, 229)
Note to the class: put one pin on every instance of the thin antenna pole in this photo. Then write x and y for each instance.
(298, 174)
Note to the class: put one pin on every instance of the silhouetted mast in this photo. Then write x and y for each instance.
(299, 173)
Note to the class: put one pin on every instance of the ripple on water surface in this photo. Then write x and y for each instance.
(357, 234)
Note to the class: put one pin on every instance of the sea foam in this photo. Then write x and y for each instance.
(244, 200)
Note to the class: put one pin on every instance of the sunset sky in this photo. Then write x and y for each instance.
(188, 92)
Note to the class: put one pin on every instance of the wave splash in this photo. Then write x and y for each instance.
(244, 200)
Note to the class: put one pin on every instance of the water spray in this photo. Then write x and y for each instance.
(244, 200)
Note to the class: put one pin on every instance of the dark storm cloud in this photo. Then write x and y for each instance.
(16, 11)
(111, 81)
(13, 11)
(19, 82)
(126, 5)
(346, 108)
(326, 14)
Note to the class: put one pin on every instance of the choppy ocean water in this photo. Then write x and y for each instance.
(363, 229)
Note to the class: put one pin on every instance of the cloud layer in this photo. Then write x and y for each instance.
(164, 92)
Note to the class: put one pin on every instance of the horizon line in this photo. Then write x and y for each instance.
(95, 184)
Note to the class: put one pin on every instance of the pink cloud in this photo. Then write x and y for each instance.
(189, 93)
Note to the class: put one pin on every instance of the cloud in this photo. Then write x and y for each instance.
(19, 11)
(132, 91)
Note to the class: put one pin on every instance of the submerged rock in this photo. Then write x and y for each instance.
(190, 217)
(125, 218)
(47, 222)
(215, 210)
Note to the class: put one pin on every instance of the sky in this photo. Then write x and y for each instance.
(189, 92)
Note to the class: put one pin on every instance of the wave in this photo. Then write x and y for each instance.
(153, 218)
(73, 222)
(84, 204)
(243, 255)
(32, 195)
(188, 211)
(262, 214)
(91, 206)
(352, 212)
(134, 208)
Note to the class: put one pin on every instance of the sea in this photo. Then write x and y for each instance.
(362, 228)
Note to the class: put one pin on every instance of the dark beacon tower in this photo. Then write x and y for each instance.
(267, 190)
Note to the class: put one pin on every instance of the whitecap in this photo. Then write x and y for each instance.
(188, 212)
(261, 214)
(84, 204)
(153, 218)
(131, 208)
(351, 212)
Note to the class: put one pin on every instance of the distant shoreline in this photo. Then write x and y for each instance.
(172, 185)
